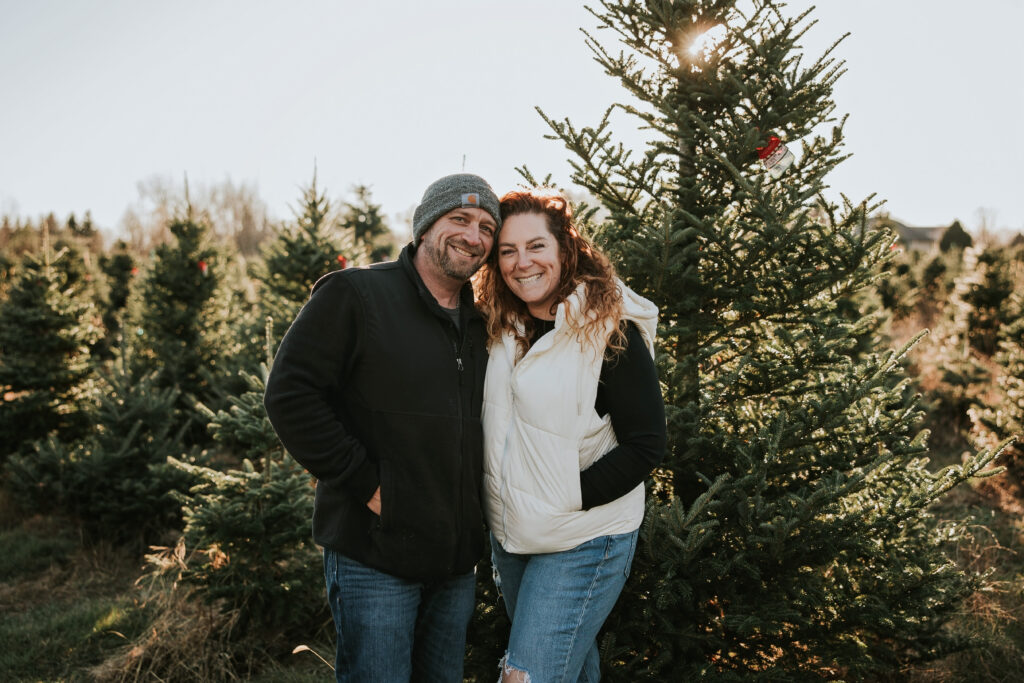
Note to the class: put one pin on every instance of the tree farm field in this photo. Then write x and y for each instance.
(840, 499)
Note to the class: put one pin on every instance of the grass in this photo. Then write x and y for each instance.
(72, 612)
(53, 641)
(24, 550)
(62, 606)
(303, 667)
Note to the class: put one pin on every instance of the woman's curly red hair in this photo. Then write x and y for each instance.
(580, 263)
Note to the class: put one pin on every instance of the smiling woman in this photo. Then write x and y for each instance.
(573, 422)
(539, 264)
(528, 257)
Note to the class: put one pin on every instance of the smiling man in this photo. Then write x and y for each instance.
(376, 390)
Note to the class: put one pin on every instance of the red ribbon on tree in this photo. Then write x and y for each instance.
(203, 267)
(766, 151)
(775, 156)
(343, 261)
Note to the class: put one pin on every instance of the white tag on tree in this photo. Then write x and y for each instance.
(775, 156)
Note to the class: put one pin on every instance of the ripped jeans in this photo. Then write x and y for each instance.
(558, 603)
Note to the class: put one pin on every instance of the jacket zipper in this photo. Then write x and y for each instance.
(458, 362)
(462, 438)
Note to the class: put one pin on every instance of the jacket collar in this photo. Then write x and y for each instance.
(466, 300)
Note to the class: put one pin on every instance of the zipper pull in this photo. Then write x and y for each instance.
(458, 355)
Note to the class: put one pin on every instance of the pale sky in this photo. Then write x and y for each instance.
(97, 96)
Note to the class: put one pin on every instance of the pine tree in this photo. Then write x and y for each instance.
(248, 528)
(979, 307)
(366, 222)
(955, 237)
(72, 266)
(115, 480)
(46, 375)
(300, 255)
(933, 277)
(245, 575)
(898, 287)
(178, 325)
(1003, 417)
(989, 299)
(7, 268)
(789, 536)
(119, 268)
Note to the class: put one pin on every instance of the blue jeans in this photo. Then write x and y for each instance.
(391, 629)
(558, 602)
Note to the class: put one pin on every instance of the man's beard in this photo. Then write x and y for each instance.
(441, 258)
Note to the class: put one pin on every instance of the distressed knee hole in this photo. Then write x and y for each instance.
(496, 577)
(510, 674)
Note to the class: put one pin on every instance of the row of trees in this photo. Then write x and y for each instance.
(790, 533)
(972, 299)
(131, 401)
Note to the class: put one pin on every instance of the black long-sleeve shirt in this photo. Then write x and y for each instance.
(629, 392)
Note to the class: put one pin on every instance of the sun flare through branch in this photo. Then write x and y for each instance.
(706, 41)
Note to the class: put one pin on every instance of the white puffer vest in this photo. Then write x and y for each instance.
(541, 430)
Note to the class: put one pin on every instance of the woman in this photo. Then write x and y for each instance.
(573, 424)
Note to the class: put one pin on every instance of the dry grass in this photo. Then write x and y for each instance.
(187, 640)
(70, 612)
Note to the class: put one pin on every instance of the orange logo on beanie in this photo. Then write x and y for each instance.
(471, 199)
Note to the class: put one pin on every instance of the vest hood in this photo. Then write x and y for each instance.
(634, 307)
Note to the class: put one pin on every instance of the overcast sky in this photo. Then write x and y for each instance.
(97, 96)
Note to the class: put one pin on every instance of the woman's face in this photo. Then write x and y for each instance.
(529, 261)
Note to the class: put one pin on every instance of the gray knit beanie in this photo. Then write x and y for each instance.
(453, 192)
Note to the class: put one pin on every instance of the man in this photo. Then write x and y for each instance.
(376, 390)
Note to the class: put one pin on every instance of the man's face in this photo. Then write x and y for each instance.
(458, 243)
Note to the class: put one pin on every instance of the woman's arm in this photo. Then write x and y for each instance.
(630, 393)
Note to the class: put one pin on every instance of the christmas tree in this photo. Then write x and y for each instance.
(935, 277)
(366, 222)
(115, 480)
(898, 287)
(989, 299)
(300, 255)
(980, 306)
(178, 325)
(7, 267)
(1002, 415)
(248, 527)
(789, 536)
(119, 268)
(955, 237)
(244, 577)
(46, 374)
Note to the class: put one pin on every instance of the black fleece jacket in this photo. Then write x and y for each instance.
(375, 385)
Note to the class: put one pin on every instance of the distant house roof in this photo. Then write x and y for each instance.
(913, 238)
